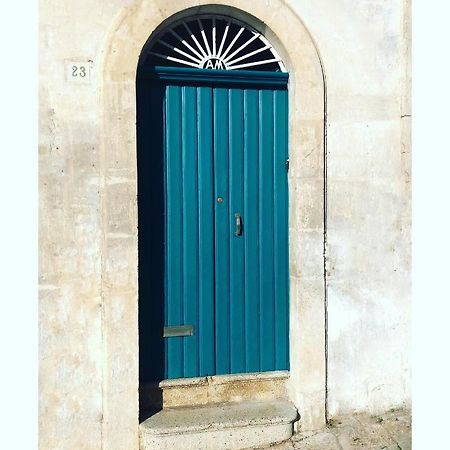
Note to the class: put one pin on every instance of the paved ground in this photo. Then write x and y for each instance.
(389, 431)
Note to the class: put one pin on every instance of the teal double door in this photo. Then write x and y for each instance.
(224, 155)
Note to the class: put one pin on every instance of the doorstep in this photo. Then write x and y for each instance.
(237, 425)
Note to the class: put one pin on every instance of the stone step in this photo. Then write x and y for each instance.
(216, 389)
(221, 426)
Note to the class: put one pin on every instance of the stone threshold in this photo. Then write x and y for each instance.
(223, 389)
(220, 426)
(225, 415)
(222, 379)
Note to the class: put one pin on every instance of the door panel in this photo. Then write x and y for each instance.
(190, 226)
(222, 230)
(228, 143)
(190, 214)
(174, 230)
(251, 229)
(237, 273)
(281, 257)
(266, 230)
(206, 324)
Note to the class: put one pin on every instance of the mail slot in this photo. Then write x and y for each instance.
(177, 331)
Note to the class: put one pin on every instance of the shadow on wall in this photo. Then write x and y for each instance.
(150, 164)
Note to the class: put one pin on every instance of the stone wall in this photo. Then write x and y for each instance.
(87, 234)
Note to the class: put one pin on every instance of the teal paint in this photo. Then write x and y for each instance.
(281, 257)
(174, 226)
(237, 254)
(190, 226)
(206, 324)
(251, 232)
(224, 135)
(222, 230)
(225, 78)
(266, 230)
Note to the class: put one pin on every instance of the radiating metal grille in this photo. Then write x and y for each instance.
(213, 42)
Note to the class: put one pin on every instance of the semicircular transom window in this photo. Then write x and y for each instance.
(212, 42)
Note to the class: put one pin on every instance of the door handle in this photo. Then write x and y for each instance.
(238, 218)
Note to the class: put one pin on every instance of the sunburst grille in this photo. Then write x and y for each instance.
(213, 42)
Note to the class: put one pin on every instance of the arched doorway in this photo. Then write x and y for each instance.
(212, 123)
(282, 25)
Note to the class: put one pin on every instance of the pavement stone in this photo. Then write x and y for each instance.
(363, 431)
(313, 441)
(398, 424)
(286, 445)
(388, 431)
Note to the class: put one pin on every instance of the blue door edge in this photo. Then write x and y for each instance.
(182, 75)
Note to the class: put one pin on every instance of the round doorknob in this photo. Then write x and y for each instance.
(219, 199)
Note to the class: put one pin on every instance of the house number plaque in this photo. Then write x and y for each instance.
(78, 71)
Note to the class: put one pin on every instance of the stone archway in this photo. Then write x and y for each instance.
(117, 140)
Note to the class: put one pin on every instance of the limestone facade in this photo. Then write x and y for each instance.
(349, 223)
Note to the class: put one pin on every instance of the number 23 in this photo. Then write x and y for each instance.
(79, 71)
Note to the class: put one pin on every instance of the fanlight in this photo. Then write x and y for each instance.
(213, 42)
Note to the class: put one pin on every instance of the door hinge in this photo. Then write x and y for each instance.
(287, 165)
